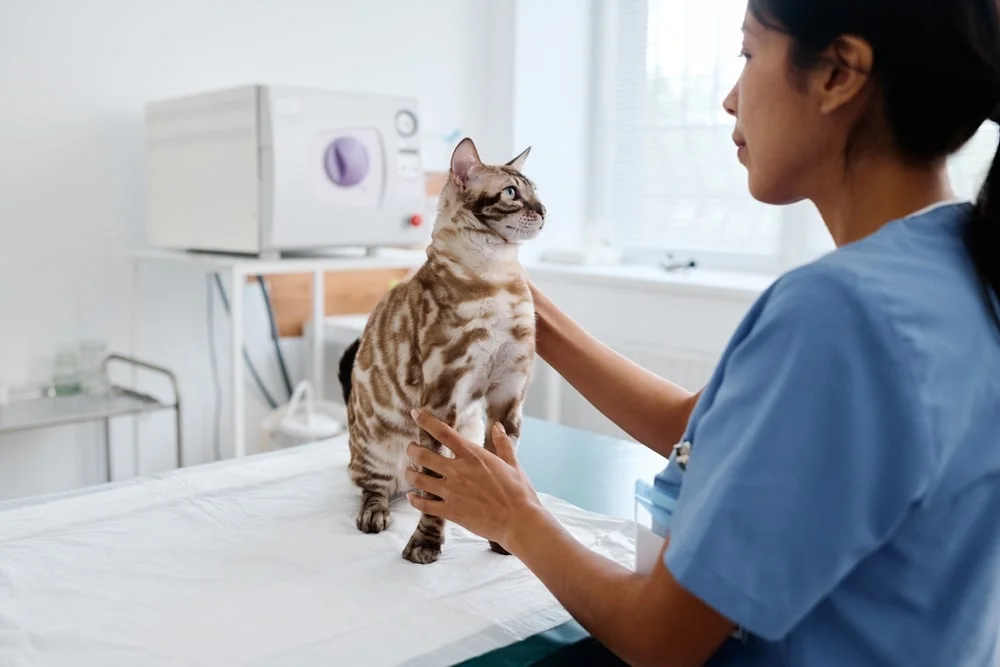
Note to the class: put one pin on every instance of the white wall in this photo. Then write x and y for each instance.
(74, 77)
(552, 87)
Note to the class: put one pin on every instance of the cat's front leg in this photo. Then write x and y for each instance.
(376, 479)
(504, 404)
(428, 538)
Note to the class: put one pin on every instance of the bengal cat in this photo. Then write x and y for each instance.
(460, 332)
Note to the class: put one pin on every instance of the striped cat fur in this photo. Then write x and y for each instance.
(456, 336)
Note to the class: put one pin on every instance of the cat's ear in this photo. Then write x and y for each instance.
(464, 159)
(518, 162)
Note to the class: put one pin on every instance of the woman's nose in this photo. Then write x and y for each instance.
(730, 103)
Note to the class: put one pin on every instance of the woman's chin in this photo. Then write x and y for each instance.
(768, 192)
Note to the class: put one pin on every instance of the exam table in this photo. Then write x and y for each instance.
(257, 562)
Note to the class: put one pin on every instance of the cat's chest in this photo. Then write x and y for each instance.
(505, 315)
(506, 326)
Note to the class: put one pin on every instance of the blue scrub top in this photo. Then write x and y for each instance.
(841, 498)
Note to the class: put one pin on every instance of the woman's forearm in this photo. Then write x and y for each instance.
(605, 604)
(649, 408)
(643, 619)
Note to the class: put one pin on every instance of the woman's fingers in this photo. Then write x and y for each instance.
(431, 506)
(504, 445)
(421, 456)
(443, 433)
(424, 482)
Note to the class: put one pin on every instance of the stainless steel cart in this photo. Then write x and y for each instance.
(45, 409)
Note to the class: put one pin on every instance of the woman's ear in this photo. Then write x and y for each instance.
(844, 74)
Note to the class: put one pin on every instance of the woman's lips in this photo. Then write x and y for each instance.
(741, 145)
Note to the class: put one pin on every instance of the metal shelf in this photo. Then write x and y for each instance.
(47, 410)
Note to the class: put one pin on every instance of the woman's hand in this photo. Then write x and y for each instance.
(485, 493)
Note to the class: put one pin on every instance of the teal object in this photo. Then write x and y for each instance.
(567, 645)
(658, 505)
(533, 650)
(595, 472)
(65, 374)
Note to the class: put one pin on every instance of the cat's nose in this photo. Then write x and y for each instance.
(539, 209)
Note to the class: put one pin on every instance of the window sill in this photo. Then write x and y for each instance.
(735, 285)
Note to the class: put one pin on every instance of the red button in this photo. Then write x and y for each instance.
(416, 220)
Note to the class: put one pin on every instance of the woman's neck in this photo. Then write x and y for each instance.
(876, 191)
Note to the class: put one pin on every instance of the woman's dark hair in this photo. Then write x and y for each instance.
(937, 65)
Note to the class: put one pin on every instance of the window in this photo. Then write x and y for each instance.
(670, 181)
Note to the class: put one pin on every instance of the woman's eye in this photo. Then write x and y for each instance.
(510, 191)
(744, 54)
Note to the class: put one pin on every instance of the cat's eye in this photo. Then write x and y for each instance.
(510, 191)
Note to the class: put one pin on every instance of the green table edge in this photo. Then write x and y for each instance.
(533, 649)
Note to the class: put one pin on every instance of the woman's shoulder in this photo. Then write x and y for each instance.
(824, 299)
(828, 310)
(908, 296)
(914, 271)
(907, 265)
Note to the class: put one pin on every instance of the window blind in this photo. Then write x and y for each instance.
(676, 183)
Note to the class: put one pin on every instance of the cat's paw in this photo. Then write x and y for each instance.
(373, 519)
(499, 549)
(421, 550)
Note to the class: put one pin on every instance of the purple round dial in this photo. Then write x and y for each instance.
(346, 161)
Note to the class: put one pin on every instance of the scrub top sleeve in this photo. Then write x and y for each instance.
(810, 452)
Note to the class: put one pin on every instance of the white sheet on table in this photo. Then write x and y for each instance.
(257, 562)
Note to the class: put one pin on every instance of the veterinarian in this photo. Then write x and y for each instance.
(841, 502)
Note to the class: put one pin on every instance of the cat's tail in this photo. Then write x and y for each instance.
(346, 366)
